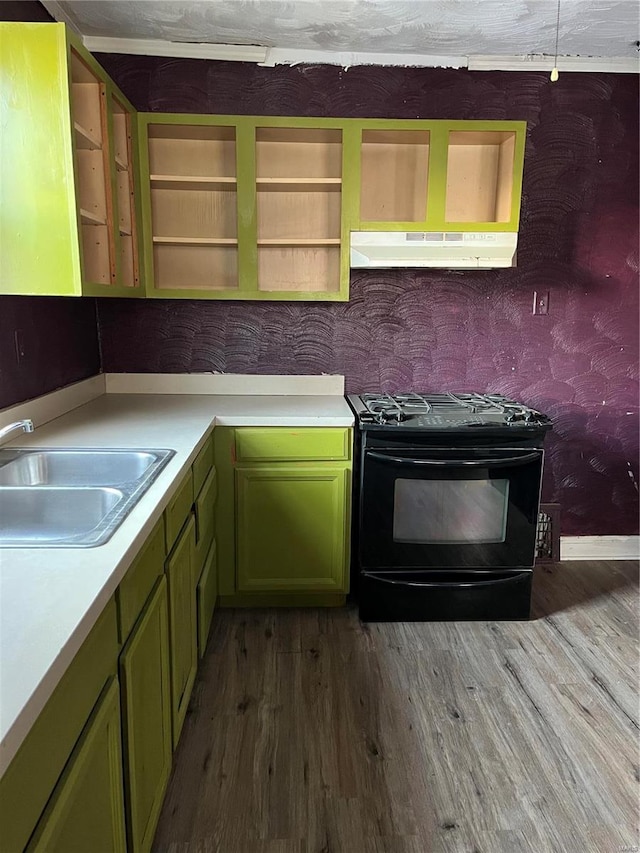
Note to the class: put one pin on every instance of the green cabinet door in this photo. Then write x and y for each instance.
(182, 625)
(68, 217)
(291, 528)
(86, 810)
(146, 718)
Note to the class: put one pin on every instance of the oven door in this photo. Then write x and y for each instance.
(449, 508)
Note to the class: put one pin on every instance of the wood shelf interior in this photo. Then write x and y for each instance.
(85, 139)
(299, 203)
(192, 151)
(197, 241)
(95, 254)
(480, 176)
(195, 267)
(299, 268)
(194, 213)
(298, 152)
(194, 206)
(93, 186)
(395, 165)
(122, 153)
(192, 182)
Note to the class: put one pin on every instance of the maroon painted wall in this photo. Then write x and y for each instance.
(437, 330)
(60, 335)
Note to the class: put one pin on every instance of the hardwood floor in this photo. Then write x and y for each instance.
(309, 732)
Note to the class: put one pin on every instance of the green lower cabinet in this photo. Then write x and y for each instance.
(182, 625)
(146, 718)
(86, 810)
(291, 528)
(206, 594)
(204, 507)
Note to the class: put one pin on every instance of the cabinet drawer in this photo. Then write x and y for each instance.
(137, 584)
(201, 467)
(206, 593)
(205, 520)
(179, 508)
(30, 778)
(273, 443)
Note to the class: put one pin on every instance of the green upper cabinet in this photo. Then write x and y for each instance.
(68, 218)
(438, 175)
(244, 208)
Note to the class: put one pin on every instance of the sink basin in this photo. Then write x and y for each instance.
(74, 467)
(71, 497)
(53, 516)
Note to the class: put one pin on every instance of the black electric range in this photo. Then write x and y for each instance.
(446, 501)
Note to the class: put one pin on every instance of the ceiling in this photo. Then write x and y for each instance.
(427, 28)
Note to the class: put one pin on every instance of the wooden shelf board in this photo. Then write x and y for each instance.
(319, 181)
(292, 185)
(90, 218)
(197, 241)
(125, 232)
(300, 241)
(121, 165)
(191, 182)
(85, 140)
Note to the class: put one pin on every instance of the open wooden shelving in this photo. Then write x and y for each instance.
(193, 206)
(402, 157)
(299, 187)
(123, 158)
(197, 241)
(479, 176)
(84, 139)
(88, 218)
(93, 183)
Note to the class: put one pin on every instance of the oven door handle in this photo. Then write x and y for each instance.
(448, 584)
(510, 461)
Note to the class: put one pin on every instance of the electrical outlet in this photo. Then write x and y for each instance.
(18, 339)
(540, 301)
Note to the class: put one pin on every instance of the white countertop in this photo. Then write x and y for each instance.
(50, 598)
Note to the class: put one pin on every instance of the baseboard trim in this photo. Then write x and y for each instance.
(600, 547)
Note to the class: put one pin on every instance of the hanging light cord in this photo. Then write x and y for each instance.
(554, 72)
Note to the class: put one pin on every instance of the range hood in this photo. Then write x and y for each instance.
(452, 250)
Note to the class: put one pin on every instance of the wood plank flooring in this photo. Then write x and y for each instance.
(309, 732)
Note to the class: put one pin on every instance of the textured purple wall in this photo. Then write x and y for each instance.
(60, 335)
(437, 330)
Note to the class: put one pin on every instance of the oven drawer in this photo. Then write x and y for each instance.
(301, 445)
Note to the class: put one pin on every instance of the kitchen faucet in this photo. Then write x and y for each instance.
(26, 425)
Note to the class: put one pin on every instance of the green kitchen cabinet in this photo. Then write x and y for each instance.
(182, 625)
(206, 595)
(69, 218)
(146, 717)
(446, 175)
(204, 512)
(86, 810)
(283, 518)
(29, 782)
(255, 207)
(245, 207)
(291, 528)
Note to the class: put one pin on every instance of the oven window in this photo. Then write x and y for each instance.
(450, 512)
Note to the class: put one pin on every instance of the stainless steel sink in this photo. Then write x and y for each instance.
(71, 497)
(46, 517)
(74, 467)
